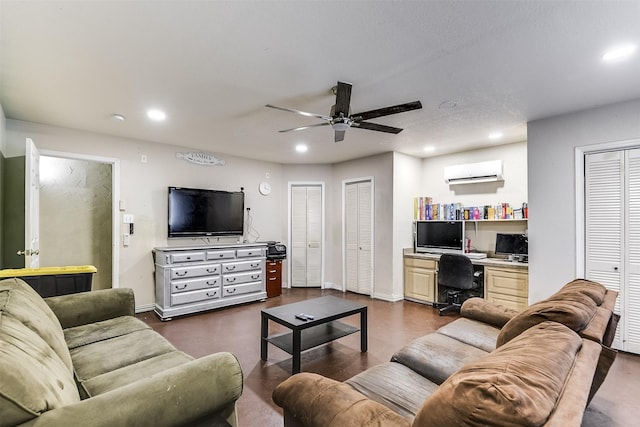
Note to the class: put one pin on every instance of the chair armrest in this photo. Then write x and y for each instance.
(486, 312)
(179, 396)
(90, 307)
(312, 400)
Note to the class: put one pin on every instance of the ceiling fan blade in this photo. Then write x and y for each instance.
(304, 127)
(376, 127)
(339, 135)
(386, 111)
(343, 98)
(304, 113)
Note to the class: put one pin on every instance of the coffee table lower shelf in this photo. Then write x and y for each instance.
(312, 337)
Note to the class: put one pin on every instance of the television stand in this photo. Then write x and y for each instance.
(192, 279)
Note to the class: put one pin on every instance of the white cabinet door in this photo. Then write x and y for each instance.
(32, 206)
(631, 288)
(306, 230)
(358, 237)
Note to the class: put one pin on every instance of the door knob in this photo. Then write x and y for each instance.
(28, 252)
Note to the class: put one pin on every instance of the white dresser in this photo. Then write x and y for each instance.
(196, 278)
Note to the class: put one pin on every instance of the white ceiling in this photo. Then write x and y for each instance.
(213, 65)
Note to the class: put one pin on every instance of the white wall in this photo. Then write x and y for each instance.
(144, 190)
(407, 184)
(551, 151)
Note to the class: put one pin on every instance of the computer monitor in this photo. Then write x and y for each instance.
(439, 236)
(516, 246)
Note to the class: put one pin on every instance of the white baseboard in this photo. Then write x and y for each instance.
(146, 307)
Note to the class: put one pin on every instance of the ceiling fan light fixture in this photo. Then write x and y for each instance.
(340, 126)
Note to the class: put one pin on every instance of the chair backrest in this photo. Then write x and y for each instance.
(456, 271)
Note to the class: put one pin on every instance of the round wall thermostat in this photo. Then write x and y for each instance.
(265, 188)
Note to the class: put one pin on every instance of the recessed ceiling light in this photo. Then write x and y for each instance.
(301, 148)
(429, 148)
(156, 115)
(495, 135)
(447, 105)
(619, 53)
(118, 117)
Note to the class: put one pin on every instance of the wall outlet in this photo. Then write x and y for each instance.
(125, 240)
(127, 219)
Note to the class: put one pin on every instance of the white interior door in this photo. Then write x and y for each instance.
(306, 235)
(359, 237)
(32, 206)
(631, 283)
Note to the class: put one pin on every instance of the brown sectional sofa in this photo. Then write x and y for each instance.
(492, 366)
(85, 360)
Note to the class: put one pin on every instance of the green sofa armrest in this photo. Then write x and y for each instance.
(312, 400)
(90, 307)
(204, 388)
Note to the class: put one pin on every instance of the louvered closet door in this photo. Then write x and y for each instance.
(306, 236)
(358, 229)
(612, 235)
(631, 287)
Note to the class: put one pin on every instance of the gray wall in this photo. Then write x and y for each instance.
(13, 217)
(551, 158)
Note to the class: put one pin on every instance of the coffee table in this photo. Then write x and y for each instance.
(304, 335)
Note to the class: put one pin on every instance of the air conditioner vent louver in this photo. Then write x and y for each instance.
(474, 172)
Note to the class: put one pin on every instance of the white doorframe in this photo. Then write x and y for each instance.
(290, 185)
(115, 198)
(344, 229)
(579, 169)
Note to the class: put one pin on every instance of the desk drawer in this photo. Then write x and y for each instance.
(429, 264)
(508, 282)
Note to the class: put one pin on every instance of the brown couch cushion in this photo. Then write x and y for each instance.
(513, 386)
(483, 311)
(593, 290)
(572, 309)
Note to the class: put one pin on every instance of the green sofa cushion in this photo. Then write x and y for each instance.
(34, 378)
(90, 333)
(513, 386)
(22, 302)
(89, 360)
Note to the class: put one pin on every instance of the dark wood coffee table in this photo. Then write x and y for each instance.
(304, 335)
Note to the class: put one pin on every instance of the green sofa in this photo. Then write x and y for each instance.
(85, 360)
(491, 367)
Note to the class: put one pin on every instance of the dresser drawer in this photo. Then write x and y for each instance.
(194, 271)
(187, 257)
(195, 296)
(235, 267)
(251, 252)
(185, 285)
(227, 254)
(245, 288)
(238, 278)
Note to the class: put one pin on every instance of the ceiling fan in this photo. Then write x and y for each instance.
(341, 119)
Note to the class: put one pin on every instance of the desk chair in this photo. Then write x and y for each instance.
(457, 276)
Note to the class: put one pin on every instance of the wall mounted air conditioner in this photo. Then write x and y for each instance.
(474, 172)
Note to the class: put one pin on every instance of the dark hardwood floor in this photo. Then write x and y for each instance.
(391, 325)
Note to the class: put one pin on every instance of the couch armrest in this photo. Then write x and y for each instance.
(90, 307)
(486, 312)
(179, 396)
(315, 401)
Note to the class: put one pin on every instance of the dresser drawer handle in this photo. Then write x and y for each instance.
(272, 271)
(221, 256)
(230, 267)
(272, 278)
(212, 270)
(188, 258)
(211, 283)
(255, 276)
(179, 288)
(211, 295)
(231, 291)
(256, 265)
(181, 274)
(230, 279)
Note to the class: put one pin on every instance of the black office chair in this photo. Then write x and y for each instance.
(456, 274)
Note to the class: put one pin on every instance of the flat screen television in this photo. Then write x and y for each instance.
(201, 213)
(439, 236)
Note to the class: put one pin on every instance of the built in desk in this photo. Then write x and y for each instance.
(505, 282)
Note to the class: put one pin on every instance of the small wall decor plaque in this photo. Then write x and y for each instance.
(203, 159)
